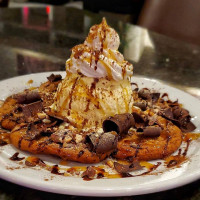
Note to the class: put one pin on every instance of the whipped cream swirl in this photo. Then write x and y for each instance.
(98, 56)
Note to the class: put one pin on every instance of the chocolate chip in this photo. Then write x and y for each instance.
(121, 168)
(141, 105)
(54, 78)
(152, 131)
(80, 153)
(28, 96)
(119, 123)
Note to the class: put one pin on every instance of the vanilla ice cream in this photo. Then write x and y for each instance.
(97, 82)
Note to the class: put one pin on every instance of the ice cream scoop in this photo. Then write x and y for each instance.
(86, 102)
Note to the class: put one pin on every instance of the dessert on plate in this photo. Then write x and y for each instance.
(94, 112)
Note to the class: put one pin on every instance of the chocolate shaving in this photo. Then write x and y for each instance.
(32, 132)
(180, 112)
(89, 173)
(121, 168)
(28, 96)
(15, 157)
(188, 128)
(30, 110)
(104, 142)
(155, 96)
(141, 105)
(167, 113)
(180, 117)
(145, 94)
(140, 120)
(54, 78)
(152, 131)
(119, 123)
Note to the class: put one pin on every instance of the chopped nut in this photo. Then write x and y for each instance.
(67, 139)
(78, 138)
(61, 127)
(46, 121)
(42, 115)
(110, 163)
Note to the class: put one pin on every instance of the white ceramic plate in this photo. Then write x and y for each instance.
(43, 180)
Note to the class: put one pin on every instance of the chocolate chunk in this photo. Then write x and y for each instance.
(103, 142)
(145, 94)
(28, 96)
(141, 105)
(152, 131)
(119, 123)
(90, 172)
(121, 168)
(155, 96)
(54, 78)
(32, 132)
(30, 110)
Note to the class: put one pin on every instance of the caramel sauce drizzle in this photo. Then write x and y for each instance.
(166, 145)
(71, 93)
(93, 86)
(177, 160)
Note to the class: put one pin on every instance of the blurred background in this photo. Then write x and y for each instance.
(160, 37)
(178, 18)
